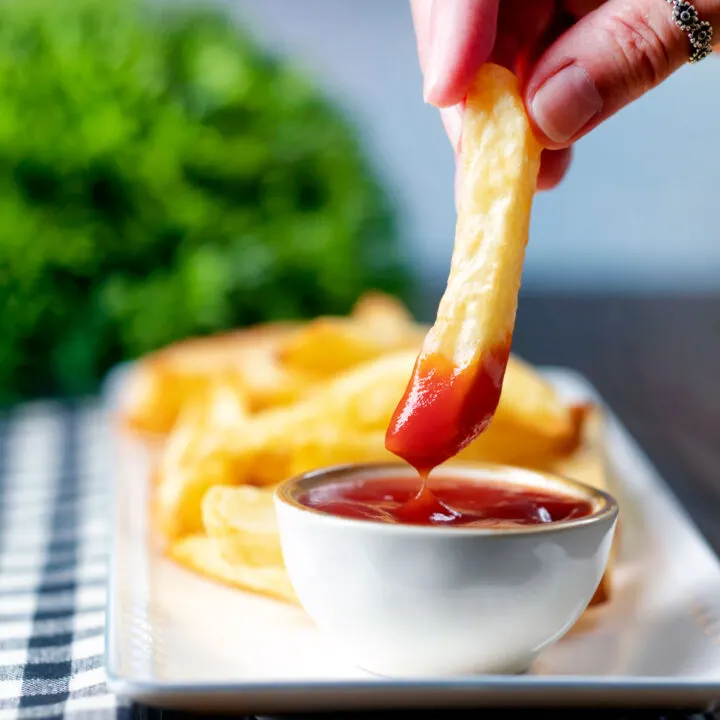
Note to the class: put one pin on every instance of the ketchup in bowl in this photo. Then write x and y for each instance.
(444, 501)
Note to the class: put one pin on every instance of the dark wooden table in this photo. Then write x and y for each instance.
(655, 362)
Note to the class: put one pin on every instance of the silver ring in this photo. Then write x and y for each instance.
(699, 32)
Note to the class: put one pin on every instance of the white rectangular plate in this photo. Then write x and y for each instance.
(176, 640)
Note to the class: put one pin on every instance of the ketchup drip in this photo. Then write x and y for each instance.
(442, 411)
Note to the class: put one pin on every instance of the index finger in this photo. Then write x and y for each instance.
(458, 41)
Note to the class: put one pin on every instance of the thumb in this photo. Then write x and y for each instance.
(605, 61)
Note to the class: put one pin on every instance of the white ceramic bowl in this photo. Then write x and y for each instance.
(426, 600)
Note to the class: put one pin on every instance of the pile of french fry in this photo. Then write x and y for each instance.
(238, 414)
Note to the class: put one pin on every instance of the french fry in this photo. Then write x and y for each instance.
(163, 382)
(275, 444)
(337, 449)
(189, 464)
(379, 325)
(361, 400)
(244, 510)
(243, 522)
(528, 400)
(278, 443)
(513, 445)
(154, 397)
(328, 346)
(241, 545)
(356, 401)
(587, 465)
(457, 380)
(384, 315)
(205, 555)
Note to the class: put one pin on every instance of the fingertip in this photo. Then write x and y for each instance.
(564, 105)
(463, 35)
(609, 58)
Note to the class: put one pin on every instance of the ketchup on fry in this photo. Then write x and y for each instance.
(444, 409)
(446, 501)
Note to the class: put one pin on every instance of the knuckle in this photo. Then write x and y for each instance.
(640, 47)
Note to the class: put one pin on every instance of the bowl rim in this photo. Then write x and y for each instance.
(606, 505)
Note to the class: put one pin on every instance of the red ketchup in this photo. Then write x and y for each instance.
(444, 409)
(444, 501)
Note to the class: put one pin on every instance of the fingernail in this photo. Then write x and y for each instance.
(452, 120)
(566, 103)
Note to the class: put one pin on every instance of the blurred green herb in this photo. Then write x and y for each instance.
(160, 176)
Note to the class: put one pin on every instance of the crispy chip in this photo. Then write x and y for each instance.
(243, 521)
(190, 464)
(385, 316)
(244, 510)
(528, 400)
(162, 383)
(328, 346)
(379, 325)
(205, 555)
(338, 449)
(587, 464)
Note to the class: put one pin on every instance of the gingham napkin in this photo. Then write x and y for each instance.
(54, 527)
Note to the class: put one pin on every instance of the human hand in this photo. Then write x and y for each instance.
(580, 60)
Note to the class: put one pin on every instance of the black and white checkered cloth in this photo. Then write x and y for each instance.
(54, 530)
(54, 527)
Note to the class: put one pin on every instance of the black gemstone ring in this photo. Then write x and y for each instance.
(699, 32)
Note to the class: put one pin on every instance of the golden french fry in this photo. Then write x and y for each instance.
(254, 550)
(205, 555)
(586, 462)
(266, 449)
(356, 400)
(243, 521)
(154, 397)
(532, 426)
(161, 383)
(338, 449)
(242, 510)
(328, 346)
(378, 325)
(386, 317)
(457, 380)
(587, 465)
(512, 445)
(528, 400)
(267, 381)
(189, 464)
